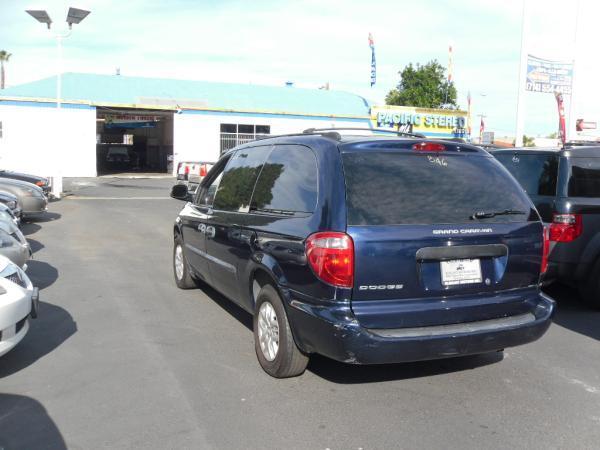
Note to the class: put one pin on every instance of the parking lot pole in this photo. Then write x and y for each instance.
(520, 127)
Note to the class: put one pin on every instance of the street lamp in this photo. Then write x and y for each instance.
(74, 16)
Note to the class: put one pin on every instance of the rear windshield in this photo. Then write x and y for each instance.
(584, 179)
(537, 174)
(390, 188)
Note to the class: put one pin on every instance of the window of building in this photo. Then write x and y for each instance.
(233, 134)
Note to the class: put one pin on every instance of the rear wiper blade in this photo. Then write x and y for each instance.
(489, 214)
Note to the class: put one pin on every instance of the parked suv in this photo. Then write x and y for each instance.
(366, 249)
(565, 187)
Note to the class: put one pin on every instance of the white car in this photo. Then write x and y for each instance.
(19, 301)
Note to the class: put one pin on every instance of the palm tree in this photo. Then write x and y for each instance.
(4, 57)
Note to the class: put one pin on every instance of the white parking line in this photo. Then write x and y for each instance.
(75, 197)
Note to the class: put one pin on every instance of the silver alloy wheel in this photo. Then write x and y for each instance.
(179, 266)
(268, 331)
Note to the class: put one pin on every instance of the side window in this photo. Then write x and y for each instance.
(584, 180)
(239, 178)
(288, 181)
(206, 195)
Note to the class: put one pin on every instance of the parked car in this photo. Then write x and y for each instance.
(11, 201)
(366, 249)
(41, 182)
(19, 301)
(13, 244)
(565, 187)
(31, 198)
(120, 157)
(7, 214)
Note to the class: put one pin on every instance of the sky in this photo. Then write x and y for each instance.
(314, 42)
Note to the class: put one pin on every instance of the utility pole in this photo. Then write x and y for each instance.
(519, 129)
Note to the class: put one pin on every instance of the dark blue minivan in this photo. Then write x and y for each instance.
(367, 249)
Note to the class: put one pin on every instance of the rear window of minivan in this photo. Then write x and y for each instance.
(538, 174)
(584, 179)
(392, 188)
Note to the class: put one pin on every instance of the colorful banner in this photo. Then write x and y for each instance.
(562, 129)
(549, 76)
(373, 67)
(430, 122)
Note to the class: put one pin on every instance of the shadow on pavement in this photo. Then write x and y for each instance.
(44, 217)
(41, 273)
(25, 424)
(341, 373)
(572, 313)
(53, 327)
(30, 228)
(35, 246)
(241, 315)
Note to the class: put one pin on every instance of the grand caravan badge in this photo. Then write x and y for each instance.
(462, 231)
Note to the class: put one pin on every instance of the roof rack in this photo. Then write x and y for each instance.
(380, 130)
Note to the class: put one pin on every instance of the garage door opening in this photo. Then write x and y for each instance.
(133, 141)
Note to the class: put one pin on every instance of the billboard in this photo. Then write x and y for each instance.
(442, 123)
(548, 76)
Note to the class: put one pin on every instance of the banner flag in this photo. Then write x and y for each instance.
(373, 67)
(450, 65)
(562, 129)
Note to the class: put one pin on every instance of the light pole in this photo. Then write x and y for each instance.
(74, 16)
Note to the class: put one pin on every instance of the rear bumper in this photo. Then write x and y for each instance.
(335, 333)
(32, 206)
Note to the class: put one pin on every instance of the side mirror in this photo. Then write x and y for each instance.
(180, 192)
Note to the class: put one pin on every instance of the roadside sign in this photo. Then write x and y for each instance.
(549, 76)
(581, 125)
(487, 138)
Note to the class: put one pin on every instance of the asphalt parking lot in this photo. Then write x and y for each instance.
(120, 358)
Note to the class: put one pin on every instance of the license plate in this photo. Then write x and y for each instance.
(460, 271)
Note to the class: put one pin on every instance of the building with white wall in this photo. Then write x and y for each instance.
(111, 123)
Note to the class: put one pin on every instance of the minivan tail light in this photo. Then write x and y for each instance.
(566, 227)
(546, 250)
(429, 147)
(331, 257)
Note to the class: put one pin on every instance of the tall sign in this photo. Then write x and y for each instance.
(548, 76)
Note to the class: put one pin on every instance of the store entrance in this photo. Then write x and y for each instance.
(133, 140)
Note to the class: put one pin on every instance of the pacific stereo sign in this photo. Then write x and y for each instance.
(430, 122)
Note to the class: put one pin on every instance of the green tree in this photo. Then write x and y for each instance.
(527, 141)
(423, 86)
(4, 57)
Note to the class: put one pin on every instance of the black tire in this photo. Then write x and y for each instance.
(590, 290)
(186, 281)
(289, 360)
